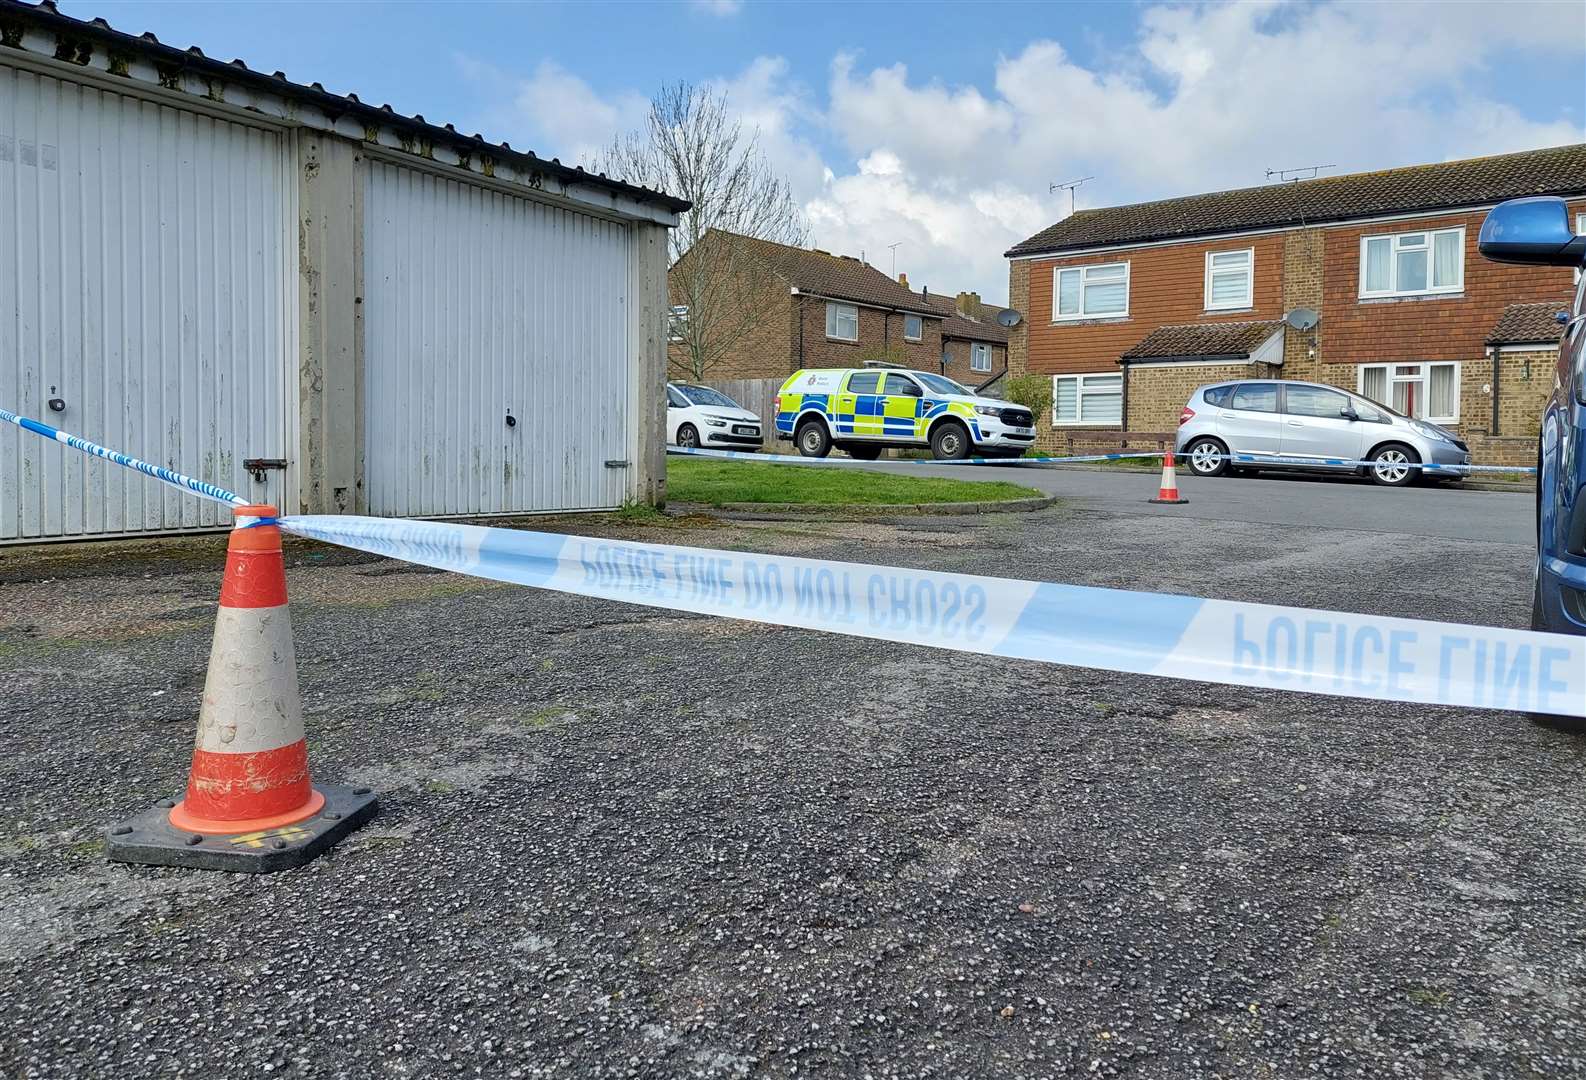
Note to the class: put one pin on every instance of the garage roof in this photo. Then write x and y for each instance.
(75, 40)
(1199, 341)
(1557, 170)
(1528, 324)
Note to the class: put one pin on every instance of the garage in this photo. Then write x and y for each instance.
(147, 304)
(316, 302)
(496, 371)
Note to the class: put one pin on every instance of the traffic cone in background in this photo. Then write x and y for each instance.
(1168, 491)
(250, 805)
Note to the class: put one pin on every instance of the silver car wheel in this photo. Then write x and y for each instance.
(1204, 458)
(1392, 466)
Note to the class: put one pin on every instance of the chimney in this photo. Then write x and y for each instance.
(968, 304)
(903, 279)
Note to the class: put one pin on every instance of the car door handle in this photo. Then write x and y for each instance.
(1296, 423)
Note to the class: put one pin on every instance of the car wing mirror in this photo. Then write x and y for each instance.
(1348, 414)
(1533, 231)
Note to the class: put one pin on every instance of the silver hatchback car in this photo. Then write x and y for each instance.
(1288, 425)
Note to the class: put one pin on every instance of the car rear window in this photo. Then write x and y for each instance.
(864, 382)
(1217, 395)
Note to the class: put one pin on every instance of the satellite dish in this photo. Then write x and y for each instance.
(1302, 318)
(1008, 317)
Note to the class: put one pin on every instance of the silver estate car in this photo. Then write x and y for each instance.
(1281, 424)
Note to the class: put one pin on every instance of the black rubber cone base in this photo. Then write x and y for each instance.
(151, 839)
(1170, 502)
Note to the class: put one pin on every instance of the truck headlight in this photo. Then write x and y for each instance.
(988, 410)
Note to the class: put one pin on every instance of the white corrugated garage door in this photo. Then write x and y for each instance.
(142, 283)
(477, 305)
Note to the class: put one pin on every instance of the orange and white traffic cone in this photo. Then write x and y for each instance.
(1168, 491)
(250, 805)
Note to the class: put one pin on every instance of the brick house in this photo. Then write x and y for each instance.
(1131, 307)
(766, 310)
(974, 344)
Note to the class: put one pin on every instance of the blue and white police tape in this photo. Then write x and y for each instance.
(1215, 641)
(170, 476)
(1257, 460)
(796, 459)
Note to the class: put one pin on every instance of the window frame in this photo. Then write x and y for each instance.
(1424, 379)
(920, 321)
(1580, 230)
(977, 348)
(834, 311)
(1249, 300)
(677, 323)
(1393, 289)
(1081, 392)
(1084, 272)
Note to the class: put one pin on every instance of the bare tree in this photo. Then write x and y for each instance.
(692, 147)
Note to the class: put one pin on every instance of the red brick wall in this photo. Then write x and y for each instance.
(1167, 286)
(1445, 327)
(877, 329)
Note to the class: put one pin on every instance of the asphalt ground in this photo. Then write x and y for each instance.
(618, 842)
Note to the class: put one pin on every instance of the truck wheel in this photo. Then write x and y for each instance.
(813, 439)
(950, 441)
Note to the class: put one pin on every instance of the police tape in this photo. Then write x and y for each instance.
(798, 459)
(1182, 637)
(1237, 459)
(170, 476)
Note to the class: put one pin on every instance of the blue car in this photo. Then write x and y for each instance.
(1536, 231)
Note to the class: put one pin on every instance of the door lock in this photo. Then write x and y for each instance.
(259, 465)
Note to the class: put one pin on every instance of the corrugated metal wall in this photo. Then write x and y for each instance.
(476, 304)
(142, 278)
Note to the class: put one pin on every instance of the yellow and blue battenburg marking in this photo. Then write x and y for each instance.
(898, 416)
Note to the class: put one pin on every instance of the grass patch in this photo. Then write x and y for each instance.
(716, 483)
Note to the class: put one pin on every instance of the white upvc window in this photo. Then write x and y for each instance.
(913, 328)
(979, 357)
(1580, 230)
(1090, 292)
(1230, 279)
(677, 323)
(1413, 263)
(1078, 400)
(1425, 391)
(842, 322)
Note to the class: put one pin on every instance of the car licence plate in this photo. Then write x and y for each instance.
(745, 429)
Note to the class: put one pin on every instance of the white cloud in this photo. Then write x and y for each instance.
(720, 8)
(1204, 97)
(552, 112)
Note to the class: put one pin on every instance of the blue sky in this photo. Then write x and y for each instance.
(940, 125)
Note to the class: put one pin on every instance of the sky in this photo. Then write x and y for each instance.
(939, 127)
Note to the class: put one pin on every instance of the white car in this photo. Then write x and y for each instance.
(697, 416)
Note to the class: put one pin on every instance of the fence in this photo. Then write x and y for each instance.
(759, 397)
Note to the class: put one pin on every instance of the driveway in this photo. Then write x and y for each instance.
(615, 842)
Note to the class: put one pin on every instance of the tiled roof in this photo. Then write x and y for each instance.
(840, 277)
(70, 30)
(984, 327)
(1527, 324)
(1235, 340)
(1557, 170)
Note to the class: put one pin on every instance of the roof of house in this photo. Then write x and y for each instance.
(72, 36)
(1233, 340)
(1527, 324)
(982, 327)
(1556, 170)
(839, 277)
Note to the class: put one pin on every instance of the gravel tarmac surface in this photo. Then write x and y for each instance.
(615, 842)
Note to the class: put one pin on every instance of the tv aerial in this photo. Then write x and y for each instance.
(1069, 187)
(1304, 172)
